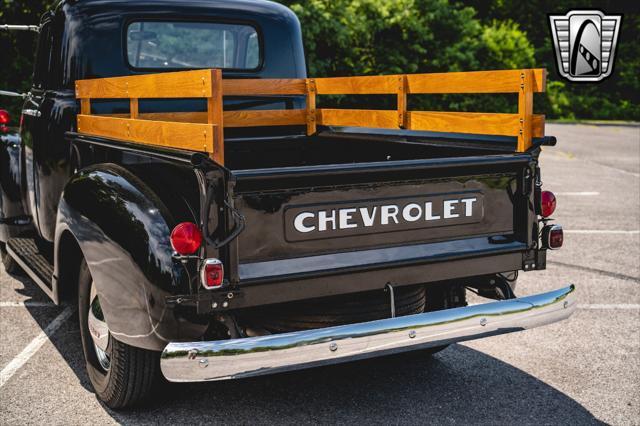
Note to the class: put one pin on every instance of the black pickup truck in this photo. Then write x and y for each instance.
(315, 238)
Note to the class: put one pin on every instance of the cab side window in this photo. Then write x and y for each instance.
(46, 71)
(43, 54)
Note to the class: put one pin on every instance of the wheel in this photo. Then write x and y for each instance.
(443, 296)
(121, 375)
(9, 263)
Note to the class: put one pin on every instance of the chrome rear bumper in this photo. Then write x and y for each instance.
(253, 356)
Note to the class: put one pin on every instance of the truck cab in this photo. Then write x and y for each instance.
(292, 236)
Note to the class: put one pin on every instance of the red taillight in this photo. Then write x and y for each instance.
(547, 203)
(212, 274)
(552, 237)
(186, 238)
(4, 121)
(4, 117)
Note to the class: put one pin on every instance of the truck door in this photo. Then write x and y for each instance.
(43, 134)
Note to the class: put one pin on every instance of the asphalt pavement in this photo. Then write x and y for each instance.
(585, 370)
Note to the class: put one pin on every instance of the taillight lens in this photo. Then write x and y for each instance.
(212, 274)
(4, 117)
(186, 238)
(552, 237)
(547, 203)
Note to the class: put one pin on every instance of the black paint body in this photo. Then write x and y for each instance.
(116, 203)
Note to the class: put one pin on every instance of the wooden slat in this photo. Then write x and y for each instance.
(244, 118)
(181, 117)
(285, 117)
(358, 117)
(247, 118)
(182, 84)
(362, 85)
(251, 87)
(501, 81)
(472, 122)
(465, 122)
(189, 136)
(505, 81)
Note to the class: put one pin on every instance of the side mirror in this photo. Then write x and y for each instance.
(34, 28)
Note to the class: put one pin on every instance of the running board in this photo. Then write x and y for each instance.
(39, 268)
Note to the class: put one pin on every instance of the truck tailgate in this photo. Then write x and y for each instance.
(298, 218)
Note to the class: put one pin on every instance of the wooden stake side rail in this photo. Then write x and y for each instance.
(203, 131)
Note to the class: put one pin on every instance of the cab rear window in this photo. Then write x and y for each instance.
(162, 45)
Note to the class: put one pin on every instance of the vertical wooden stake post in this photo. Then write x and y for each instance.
(133, 108)
(525, 110)
(311, 106)
(214, 117)
(402, 101)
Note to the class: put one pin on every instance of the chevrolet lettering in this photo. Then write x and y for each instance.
(383, 215)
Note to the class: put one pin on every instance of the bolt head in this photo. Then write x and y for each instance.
(225, 304)
(483, 322)
(203, 363)
(214, 305)
(412, 334)
(333, 346)
(565, 304)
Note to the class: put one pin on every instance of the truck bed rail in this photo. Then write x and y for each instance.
(203, 131)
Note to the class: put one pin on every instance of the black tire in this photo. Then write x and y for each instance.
(132, 372)
(9, 263)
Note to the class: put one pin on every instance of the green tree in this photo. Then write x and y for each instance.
(617, 97)
(18, 48)
(360, 37)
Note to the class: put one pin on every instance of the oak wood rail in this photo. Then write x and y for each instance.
(203, 131)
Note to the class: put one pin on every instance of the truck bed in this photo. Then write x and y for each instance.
(354, 199)
(349, 146)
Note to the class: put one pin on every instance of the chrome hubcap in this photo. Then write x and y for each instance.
(98, 329)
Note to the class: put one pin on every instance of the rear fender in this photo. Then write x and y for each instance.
(123, 229)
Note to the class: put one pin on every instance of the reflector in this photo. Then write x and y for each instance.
(547, 203)
(4, 117)
(186, 238)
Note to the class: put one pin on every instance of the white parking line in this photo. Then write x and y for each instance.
(578, 194)
(27, 304)
(602, 231)
(24, 356)
(622, 306)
